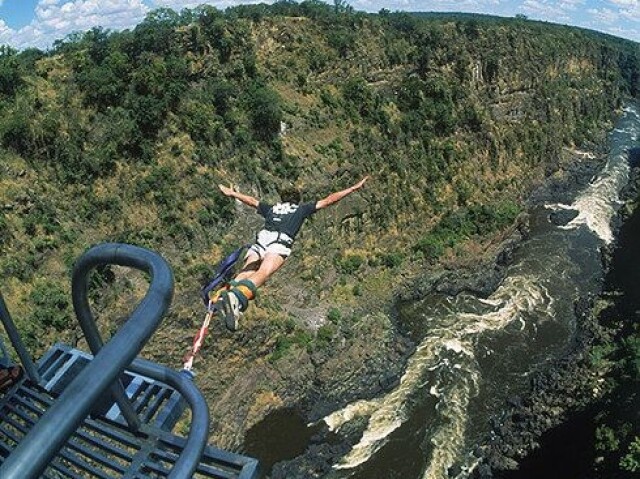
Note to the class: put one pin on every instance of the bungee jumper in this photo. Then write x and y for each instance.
(273, 245)
(229, 297)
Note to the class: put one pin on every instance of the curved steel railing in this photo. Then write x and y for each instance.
(50, 433)
(198, 435)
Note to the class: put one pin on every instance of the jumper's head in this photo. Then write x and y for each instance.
(290, 194)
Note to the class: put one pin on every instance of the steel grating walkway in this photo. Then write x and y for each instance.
(110, 414)
(104, 448)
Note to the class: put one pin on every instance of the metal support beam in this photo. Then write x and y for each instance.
(16, 342)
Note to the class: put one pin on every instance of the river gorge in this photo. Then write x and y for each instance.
(476, 350)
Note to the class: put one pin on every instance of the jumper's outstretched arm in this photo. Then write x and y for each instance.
(338, 195)
(246, 199)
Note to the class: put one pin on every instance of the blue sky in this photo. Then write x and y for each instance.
(38, 23)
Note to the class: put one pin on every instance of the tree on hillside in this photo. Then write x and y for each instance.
(265, 111)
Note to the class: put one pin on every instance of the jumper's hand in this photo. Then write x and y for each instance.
(226, 190)
(361, 183)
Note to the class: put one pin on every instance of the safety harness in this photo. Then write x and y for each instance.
(281, 238)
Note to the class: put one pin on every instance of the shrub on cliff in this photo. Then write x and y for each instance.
(349, 264)
(265, 111)
(464, 223)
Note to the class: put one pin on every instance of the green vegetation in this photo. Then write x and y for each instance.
(123, 136)
(285, 343)
(349, 263)
(631, 460)
(465, 223)
(5, 233)
(616, 438)
(51, 309)
(334, 315)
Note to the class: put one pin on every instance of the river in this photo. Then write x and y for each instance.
(474, 353)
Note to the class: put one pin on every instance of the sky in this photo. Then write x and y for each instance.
(38, 23)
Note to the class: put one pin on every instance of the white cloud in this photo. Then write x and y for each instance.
(626, 3)
(54, 19)
(552, 10)
(178, 5)
(5, 32)
(631, 33)
(421, 5)
(631, 12)
(604, 15)
(547, 10)
(570, 4)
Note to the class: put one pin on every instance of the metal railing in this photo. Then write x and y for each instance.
(31, 457)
